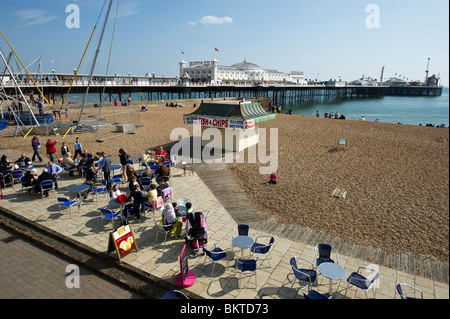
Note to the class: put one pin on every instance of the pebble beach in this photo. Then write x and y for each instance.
(396, 176)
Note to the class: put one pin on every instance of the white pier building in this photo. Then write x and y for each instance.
(211, 73)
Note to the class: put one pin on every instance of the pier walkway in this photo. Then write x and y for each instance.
(152, 270)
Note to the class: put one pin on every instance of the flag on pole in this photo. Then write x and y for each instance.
(216, 49)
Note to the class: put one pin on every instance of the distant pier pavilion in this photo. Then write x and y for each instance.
(151, 88)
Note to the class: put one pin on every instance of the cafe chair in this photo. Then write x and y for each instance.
(174, 294)
(242, 230)
(16, 175)
(323, 252)
(173, 160)
(303, 273)
(409, 289)
(165, 229)
(309, 293)
(66, 203)
(109, 215)
(263, 248)
(365, 283)
(247, 265)
(99, 189)
(47, 186)
(214, 254)
(116, 179)
(5, 180)
(146, 182)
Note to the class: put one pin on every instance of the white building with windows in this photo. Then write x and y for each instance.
(244, 73)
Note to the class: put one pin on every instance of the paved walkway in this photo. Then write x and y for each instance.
(27, 271)
(226, 203)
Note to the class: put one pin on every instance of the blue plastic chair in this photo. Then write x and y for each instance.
(362, 282)
(403, 295)
(323, 252)
(214, 255)
(312, 294)
(247, 265)
(110, 215)
(303, 274)
(47, 186)
(174, 294)
(16, 175)
(99, 189)
(261, 248)
(146, 182)
(242, 230)
(66, 203)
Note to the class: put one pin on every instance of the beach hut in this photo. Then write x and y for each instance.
(235, 124)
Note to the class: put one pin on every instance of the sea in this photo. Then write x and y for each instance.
(390, 109)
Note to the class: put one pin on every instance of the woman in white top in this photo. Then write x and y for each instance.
(113, 194)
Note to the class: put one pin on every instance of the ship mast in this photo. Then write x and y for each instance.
(95, 60)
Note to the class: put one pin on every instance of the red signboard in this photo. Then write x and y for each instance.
(123, 241)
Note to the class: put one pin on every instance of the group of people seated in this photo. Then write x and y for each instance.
(30, 176)
(331, 115)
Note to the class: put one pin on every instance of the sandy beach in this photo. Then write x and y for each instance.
(396, 176)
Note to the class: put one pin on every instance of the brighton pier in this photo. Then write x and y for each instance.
(114, 87)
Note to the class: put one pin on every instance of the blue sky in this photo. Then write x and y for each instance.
(325, 39)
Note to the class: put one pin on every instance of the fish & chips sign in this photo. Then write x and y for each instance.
(221, 123)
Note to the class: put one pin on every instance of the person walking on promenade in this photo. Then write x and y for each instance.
(51, 149)
(106, 167)
(36, 145)
(78, 148)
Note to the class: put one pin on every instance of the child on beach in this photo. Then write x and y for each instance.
(273, 179)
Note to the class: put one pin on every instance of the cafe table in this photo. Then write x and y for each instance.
(332, 271)
(79, 189)
(242, 242)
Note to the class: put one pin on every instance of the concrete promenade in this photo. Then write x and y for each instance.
(212, 188)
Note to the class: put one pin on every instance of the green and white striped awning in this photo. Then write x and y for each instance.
(241, 115)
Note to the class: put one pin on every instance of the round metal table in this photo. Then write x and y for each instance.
(332, 271)
(242, 242)
(79, 189)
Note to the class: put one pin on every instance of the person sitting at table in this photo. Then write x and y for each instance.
(147, 156)
(28, 177)
(67, 160)
(162, 172)
(170, 218)
(136, 207)
(161, 152)
(22, 161)
(45, 176)
(130, 171)
(176, 208)
(83, 160)
(4, 162)
(132, 183)
(148, 172)
(29, 167)
(55, 170)
(162, 185)
(152, 194)
(113, 194)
